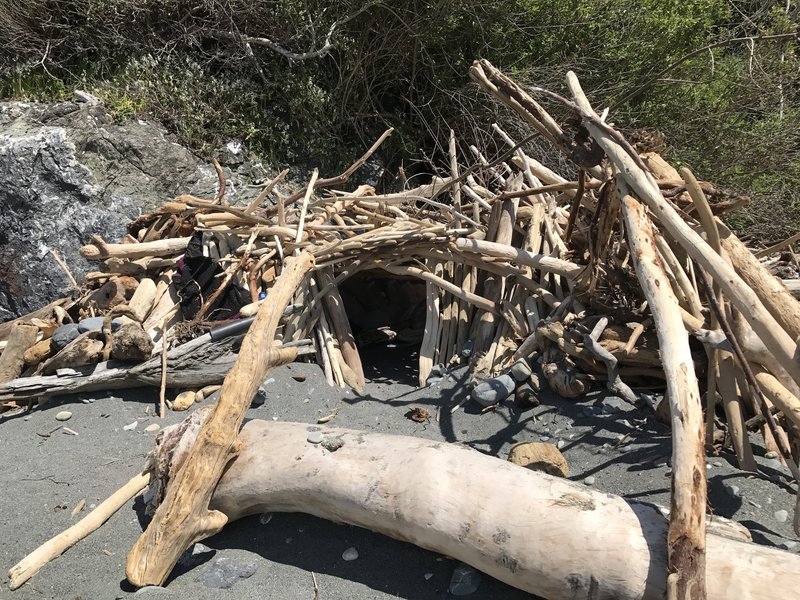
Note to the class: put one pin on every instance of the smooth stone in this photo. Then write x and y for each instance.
(789, 545)
(733, 490)
(197, 554)
(152, 427)
(151, 589)
(781, 516)
(589, 480)
(494, 390)
(64, 335)
(520, 370)
(560, 444)
(224, 573)
(315, 437)
(96, 324)
(64, 415)
(350, 554)
(464, 581)
(771, 454)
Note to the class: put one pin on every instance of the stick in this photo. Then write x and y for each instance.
(98, 249)
(30, 565)
(183, 518)
(686, 545)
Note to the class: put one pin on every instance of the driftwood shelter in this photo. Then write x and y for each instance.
(619, 272)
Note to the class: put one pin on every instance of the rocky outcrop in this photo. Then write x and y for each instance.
(67, 171)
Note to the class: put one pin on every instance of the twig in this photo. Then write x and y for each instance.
(65, 268)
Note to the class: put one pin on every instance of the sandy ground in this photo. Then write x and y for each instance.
(47, 472)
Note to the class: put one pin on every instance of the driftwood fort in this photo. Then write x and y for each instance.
(618, 271)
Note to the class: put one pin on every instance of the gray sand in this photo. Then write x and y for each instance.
(45, 476)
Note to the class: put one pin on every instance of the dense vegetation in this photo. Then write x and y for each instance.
(317, 79)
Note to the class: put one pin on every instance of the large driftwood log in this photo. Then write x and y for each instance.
(184, 516)
(533, 531)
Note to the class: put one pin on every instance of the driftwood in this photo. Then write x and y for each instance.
(12, 360)
(184, 517)
(415, 490)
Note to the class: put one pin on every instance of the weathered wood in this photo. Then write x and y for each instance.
(547, 545)
(184, 517)
(100, 250)
(521, 257)
(686, 539)
(12, 358)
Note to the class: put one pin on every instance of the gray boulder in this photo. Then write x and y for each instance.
(67, 172)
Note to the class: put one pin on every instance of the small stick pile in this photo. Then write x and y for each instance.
(620, 272)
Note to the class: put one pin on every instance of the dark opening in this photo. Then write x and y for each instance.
(387, 316)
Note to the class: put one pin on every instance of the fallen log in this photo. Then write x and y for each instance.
(533, 531)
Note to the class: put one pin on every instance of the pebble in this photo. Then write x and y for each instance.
(315, 437)
(350, 554)
(789, 545)
(152, 427)
(64, 335)
(733, 490)
(466, 350)
(464, 581)
(494, 390)
(224, 573)
(96, 324)
(717, 463)
(428, 576)
(520, 370)
(130, 426)
(155, 589)
(771, 454)
(265, 518)
(197, 554)
(781, 516)
(64, 415)
(756, 504)
(560, 444)
(589, 480)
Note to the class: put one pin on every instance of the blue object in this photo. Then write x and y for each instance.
(262, 295)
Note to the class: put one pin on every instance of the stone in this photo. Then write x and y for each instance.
(67, 171)
(350, 554)
(314, 437)
(494, 390)
(183, 401)
(520, 370)
(224, 573)
(96, 324)
(539, 456)
(589, 480)
(131, 342)
(131, 426)
(789, 545)
(64, 415)
(64, 335)
(152, 427)
(151, 590)
(464, 581)
(781, 516)
(771, 454)
(526, 394)
(265, 518)
(197, 554)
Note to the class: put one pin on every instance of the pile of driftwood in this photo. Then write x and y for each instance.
(619, 272)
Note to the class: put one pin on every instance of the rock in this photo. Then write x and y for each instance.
(223, 573)
(464, 581)
(539, 456)
(771, 454)
(789, 545)
(67, 171)
(781, 516)
(151, 590)
(183, 401)
(265, 518)
(314, 437)
(96, 324)
(64, 335)
(494, 390)
(589, 480)
(64, 415)
(131, 426)
(350, 554)
(527, 395)
(197, 554)
(152, 427)
(520, 370)
(131, 342)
